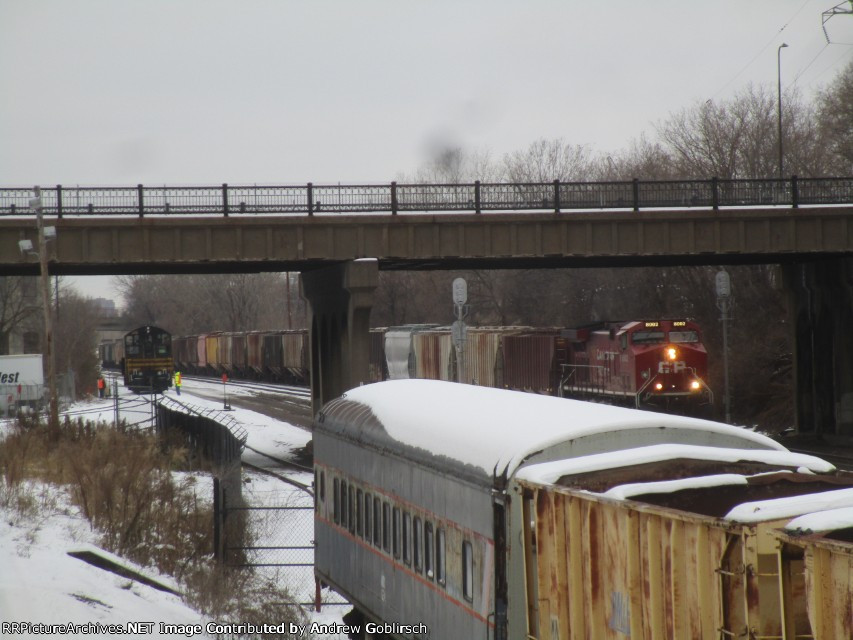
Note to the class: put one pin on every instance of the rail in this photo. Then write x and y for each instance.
(394, 198)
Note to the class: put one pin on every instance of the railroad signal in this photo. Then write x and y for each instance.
(225, 405)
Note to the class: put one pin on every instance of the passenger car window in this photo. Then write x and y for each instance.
(386, 527)
(428, 542)
(395, 539)
(468, 571)
(416, 544)
(359, 513)
(407, 547)
(440, 557)
(367, 519)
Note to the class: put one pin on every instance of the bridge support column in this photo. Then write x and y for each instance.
(339, 298)
(821, 313)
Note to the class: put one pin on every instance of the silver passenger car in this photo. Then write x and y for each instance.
(419, 515)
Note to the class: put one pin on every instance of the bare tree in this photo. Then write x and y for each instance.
(549, 160)
(191, 304)
(835, 117)
(75, 338)
(19, 308)
(737, 138)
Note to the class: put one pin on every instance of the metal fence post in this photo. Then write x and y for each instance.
(139, 200)
(59, 200)
(635, 188)
(715, 193)
(557, 196)
(393, 198)
(476, 196)
(795, 192)
(225, 199)
(310, 199)
(217, 521)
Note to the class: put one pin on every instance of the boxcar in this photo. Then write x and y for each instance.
(486, 513)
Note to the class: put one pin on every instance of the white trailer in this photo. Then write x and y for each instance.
(21, 383)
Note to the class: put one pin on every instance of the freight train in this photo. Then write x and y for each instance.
(485, 513)
(144, 357)
(657, 363)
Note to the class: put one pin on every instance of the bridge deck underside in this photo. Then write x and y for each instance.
(185, 244)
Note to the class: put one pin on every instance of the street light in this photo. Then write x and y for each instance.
(45, 234)
(779, 93)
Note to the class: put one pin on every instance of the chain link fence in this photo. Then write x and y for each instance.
(280, 543)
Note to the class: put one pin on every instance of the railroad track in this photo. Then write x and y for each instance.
(287, 403)
(277, 464)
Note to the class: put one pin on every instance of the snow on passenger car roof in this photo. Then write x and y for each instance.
(551, 472)
(496, 431)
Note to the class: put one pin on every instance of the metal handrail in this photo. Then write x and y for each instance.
(310, 199)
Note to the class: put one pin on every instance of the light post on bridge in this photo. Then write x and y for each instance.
(779, 99)
(724, 293)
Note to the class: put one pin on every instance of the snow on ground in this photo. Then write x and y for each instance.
(40, 583)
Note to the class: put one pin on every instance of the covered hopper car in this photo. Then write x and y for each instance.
(486, 513)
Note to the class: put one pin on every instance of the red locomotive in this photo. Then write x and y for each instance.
(657, 363)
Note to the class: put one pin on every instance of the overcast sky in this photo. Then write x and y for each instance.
(281, 91)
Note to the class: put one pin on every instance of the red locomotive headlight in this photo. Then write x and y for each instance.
(671, 353)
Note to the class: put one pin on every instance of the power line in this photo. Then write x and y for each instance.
(763, 49)
(804, 69)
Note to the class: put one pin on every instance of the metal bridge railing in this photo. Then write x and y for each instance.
(310, 199)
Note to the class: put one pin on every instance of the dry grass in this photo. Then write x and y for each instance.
(121, 481)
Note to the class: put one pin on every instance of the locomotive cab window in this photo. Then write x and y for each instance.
(682, 337)
(647, 337)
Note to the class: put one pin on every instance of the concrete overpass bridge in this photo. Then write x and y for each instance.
(340, 236)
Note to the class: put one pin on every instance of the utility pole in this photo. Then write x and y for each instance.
(724, 292)
(49, 347)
